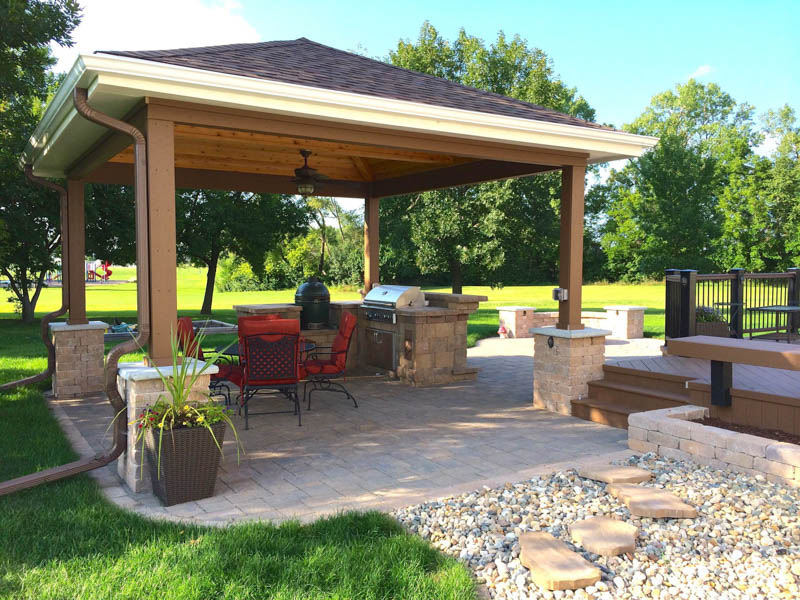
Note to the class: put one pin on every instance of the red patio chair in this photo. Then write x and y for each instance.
(270, 353)
(227, 372)
(321, 372)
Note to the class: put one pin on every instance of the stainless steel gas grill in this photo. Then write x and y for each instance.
(382, 302)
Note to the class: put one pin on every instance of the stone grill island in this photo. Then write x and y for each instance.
(425, 345)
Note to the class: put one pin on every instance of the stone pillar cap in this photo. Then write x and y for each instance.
(624, 307)
(516, 308)
(586, 332)
(139, 372)
(64, 326)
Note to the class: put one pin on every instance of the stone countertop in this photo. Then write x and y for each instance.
(458, 298)
(258, 309)
(427, 310)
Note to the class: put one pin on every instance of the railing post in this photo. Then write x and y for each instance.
(737, 303)
(688, 316)
(669, 328)
(794, 296)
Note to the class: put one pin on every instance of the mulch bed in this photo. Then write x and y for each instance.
(773, 434)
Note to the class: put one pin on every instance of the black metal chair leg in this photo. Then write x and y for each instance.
(305, 395)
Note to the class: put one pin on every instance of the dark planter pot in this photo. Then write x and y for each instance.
(189, 462)
(713, 328)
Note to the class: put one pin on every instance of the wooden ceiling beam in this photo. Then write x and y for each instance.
(362, 167)
(122, 174)
(465, 174)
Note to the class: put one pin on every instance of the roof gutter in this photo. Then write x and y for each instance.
(79, 97)
(48, 318)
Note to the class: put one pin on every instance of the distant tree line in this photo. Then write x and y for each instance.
(720, 190)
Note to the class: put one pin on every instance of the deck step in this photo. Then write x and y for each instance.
(666, 382)
(604, 412)
(638, 397)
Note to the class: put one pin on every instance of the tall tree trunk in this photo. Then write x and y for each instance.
(28, 309)
(455, 272)
(211, 276)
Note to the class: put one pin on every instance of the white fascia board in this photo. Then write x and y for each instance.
(140, 78)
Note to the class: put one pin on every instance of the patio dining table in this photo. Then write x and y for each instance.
(776, 310)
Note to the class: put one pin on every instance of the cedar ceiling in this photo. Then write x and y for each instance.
(216, 149)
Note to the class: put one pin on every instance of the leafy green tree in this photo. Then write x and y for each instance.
(111, 223)
(783, 186)
(517, 245)
(29, 215)
(212, 223)
(459, 226)
(670, 207)
(27, 27)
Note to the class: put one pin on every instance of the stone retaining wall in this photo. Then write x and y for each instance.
(669, 432)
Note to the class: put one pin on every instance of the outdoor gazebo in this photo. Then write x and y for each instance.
(235, 117)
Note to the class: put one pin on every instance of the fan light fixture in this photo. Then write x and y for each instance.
(307, 178)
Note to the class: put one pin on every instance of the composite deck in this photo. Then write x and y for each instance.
(764, 380)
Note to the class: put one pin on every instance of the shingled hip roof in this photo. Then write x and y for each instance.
(304, 62)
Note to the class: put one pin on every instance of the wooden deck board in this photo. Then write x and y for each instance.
(779, 382)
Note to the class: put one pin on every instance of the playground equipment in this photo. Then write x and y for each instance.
(93, 271)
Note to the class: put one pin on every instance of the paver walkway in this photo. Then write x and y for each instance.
(402, 445)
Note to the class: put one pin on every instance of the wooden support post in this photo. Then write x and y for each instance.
(721, 383)
(570, 270)
(371, 243)
(162, 254)
(76, 253)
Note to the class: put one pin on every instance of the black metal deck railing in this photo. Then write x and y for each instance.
(694, 299)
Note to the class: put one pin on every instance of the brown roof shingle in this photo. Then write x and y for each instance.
(305, 62)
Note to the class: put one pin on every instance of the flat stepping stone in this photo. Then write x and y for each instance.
(553, 565)
(604, 536)
(651, 502)
(615, 474)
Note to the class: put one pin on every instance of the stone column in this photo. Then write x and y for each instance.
(140, 386)
(517, 320)
(626, 322)
(564, 362)
(79, 359)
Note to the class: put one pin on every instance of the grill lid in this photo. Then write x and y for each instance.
(395, 296)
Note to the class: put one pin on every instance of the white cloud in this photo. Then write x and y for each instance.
(700, 71)
(155, 25)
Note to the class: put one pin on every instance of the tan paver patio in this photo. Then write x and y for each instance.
(402, 445)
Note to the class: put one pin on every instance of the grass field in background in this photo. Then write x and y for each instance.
(112, 300)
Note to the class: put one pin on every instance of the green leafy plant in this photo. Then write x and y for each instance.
(706, 314)
(175, 408)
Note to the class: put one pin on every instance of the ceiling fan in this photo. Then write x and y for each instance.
(306, 177)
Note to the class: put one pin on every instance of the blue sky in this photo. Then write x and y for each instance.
(618, 54)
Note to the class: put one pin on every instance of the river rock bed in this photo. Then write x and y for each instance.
(745, 542)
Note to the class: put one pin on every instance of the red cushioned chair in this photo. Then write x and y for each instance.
(227, 373)
(270, 353)
(321, 368)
